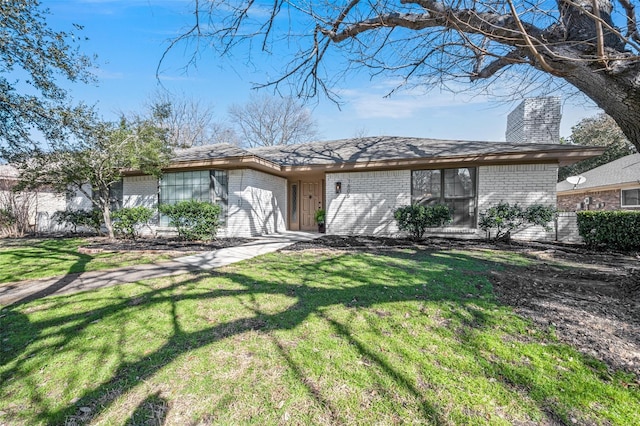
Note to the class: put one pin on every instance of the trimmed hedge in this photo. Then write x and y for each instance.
(416, 218)
(506, 218)
(127, 220)
(90, 218)
(616, 229)
(194, 220)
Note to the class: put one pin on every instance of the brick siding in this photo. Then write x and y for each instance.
(257, 204)
(366, 203)
(525, 184)
(599, 200)
(535, 120)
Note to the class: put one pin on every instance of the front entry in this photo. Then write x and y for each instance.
(311, 200)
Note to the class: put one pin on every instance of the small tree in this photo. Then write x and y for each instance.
(128, 220)
(194, 220)
(506, 218)
(416, 218)
(92, 158)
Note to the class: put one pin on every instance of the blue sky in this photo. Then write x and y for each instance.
(129, 38)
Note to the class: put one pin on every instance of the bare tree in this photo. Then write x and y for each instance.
(269, 121)
(188, 121)
(427, 42)
(17, 209)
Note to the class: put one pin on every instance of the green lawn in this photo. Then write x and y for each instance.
(26, 259)
(302, 338)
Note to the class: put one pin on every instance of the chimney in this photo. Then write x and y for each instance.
(535, 120)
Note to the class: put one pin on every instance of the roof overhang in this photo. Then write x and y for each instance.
(561, 157)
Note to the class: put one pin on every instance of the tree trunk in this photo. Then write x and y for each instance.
(106, 216)
(618, 94)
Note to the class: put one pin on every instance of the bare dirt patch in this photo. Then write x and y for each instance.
(591, 298)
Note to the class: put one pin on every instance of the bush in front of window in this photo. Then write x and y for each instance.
(194, 220)
(506, 218)
(615, 229)
(416, 218)
(127, 221)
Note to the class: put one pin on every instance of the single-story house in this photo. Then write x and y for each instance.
(612, 186)
(360, 182)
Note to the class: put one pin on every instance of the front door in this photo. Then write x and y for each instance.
(310, 200)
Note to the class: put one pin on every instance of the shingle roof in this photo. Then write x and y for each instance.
(620, 171)
(367, 149)
(7, 171)
(207, 152)
(388, 148)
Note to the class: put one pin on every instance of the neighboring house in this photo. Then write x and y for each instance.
(361, 181)
(612, 186)
(34, 207)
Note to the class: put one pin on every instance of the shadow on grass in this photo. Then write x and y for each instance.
(49, 250)
(316, 286)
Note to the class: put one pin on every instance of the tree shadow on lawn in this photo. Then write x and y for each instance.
(316, 285)
(50, 252)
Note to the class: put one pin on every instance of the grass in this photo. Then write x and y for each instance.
(302, 338)
(27, 259)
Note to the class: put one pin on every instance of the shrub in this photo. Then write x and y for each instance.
(194, 220)
(613, 229)
(90, 218)
(126, 221)
(506, 218)
(416, 218)
(320, 216)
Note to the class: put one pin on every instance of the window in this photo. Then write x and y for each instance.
(455, 188)
(201, 185)
(294, 203)
(630, 198)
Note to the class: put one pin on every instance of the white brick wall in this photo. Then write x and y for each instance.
(257, 204)
(535, 120)
(525, 184)
(48, 204)
(367, 201)
(567, 227)
(142, 191)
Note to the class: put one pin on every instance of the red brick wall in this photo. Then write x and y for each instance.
(611, 200)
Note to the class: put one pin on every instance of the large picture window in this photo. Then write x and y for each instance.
(201, 185)
(455, 188)
(630, 198)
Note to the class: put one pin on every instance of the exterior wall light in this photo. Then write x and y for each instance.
(338, 187)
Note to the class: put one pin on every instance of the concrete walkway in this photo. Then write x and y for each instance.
(25, 291)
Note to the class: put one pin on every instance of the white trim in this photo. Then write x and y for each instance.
(629, 189)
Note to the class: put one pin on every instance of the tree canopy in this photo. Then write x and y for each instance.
(92, 157)
(599, 130)
(592, 45)
(32, 57)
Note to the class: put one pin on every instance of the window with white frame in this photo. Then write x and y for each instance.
(455, 188)
(630, 198)
(200, 185)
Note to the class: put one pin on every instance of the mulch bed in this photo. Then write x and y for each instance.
(160, 244)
